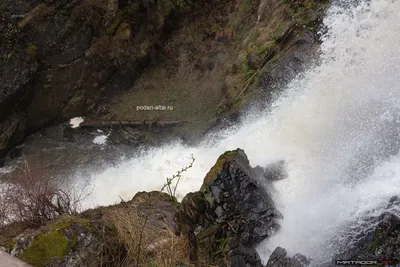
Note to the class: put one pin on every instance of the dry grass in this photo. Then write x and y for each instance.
(149, 243)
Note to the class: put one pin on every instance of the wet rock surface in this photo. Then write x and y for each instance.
(381, 242)
(279, 258)
(272, 172)
(60, 59)
(231, 213)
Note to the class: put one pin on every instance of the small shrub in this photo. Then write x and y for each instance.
(35, 198)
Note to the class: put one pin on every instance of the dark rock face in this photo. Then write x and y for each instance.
(381, 242)
(279, 258)
(231, 213)
(298, 55)
(61, 58)
(16, 73)
(275, 171)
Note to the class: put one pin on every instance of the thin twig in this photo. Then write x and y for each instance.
(141, 236)
(177, 175)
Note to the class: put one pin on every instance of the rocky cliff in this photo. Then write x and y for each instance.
(101, 59)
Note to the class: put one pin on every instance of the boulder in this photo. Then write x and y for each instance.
(272, 172)
(279, 258)
(275, 171)
(230, 214)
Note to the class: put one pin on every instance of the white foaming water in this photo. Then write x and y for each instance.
(336, 126)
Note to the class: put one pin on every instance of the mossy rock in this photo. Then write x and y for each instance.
(46, 248)
(217, 168)
(68, 221)
(54, 241)
(214, 245)
(10, 245)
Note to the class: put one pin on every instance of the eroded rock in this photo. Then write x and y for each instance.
(231, 213)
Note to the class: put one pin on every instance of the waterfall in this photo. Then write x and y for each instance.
(336, 125)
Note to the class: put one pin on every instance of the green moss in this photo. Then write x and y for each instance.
(379, 237)
(45, 248)
(246, 5)
(68, 220)
(215, 248)
(217, 168)
(10, 245)
(246, 69)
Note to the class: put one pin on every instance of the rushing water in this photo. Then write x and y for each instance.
(336, 125)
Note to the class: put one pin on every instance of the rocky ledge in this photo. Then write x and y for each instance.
(219, 225)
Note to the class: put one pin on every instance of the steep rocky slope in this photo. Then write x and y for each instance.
(102, 59)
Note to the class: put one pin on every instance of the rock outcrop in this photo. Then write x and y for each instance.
(279, 258)
(59, 58)
(230, 214)
(219, 225)
(381, 242)
(104, 58)
(103, 236)
(272, 172)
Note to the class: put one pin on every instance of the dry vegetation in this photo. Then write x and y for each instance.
(36, 198)
(148, 243)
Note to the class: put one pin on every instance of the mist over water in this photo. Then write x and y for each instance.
(336, 125)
